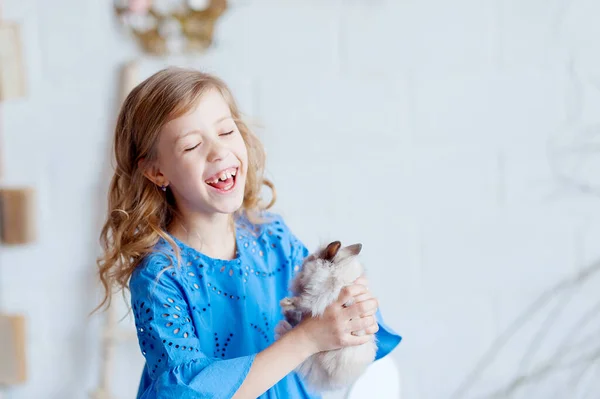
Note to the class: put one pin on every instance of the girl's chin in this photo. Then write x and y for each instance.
(228, 205)
(228, 210)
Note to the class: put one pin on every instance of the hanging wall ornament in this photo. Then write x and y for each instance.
(163, 27)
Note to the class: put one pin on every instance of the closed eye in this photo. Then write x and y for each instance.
(227, 134)
(191, 148)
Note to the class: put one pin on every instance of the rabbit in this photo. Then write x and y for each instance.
(318, 284)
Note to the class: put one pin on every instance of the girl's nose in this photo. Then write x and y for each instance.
(217, 152)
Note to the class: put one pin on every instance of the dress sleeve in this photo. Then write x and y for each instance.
(387, 339)
(298, 252)
(175, 362)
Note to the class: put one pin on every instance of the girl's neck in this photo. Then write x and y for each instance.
(213, 235)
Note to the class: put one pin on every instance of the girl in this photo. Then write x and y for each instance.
(205, 264)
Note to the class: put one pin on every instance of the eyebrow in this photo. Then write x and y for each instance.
(221, 119)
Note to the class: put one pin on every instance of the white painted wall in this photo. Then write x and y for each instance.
(427, 130)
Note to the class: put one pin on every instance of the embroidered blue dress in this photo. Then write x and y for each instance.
(201, 325)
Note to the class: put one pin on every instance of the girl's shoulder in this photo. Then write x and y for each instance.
(271, 238)
(155, 264)
(267, 227)
(263, 235)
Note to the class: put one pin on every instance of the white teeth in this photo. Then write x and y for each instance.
(223, 176)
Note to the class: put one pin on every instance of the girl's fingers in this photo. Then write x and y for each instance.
(372, 329)
(349, 292)
(362, 280)
(361, 323)
(363, 308)
(363, 297)
(371, 312)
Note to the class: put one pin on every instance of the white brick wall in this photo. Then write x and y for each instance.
(435, 124)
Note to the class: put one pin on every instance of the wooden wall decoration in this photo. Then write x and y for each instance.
(163, 27)
(13, 367)
(12, 68)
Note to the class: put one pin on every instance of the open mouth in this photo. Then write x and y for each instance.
(224, 181)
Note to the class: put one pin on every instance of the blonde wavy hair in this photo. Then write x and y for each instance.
(139, 212)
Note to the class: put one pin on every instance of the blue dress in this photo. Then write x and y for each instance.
(200, 325)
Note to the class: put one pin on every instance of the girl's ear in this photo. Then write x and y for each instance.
(152, 173)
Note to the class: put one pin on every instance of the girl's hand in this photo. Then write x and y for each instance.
(335, 328)
(362, 280)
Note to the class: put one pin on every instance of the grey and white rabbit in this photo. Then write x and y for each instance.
(323, 275)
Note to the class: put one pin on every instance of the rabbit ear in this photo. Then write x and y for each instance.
(352, 250)
(348, 252)
(331, 251)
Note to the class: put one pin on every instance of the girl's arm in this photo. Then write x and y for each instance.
(177, 367)
(274, 363)
(313, 335)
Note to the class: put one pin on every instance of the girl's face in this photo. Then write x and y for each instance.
(203, 159)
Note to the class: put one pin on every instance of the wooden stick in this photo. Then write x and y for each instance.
(108, 355)
(110, 333)
(129, 79)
